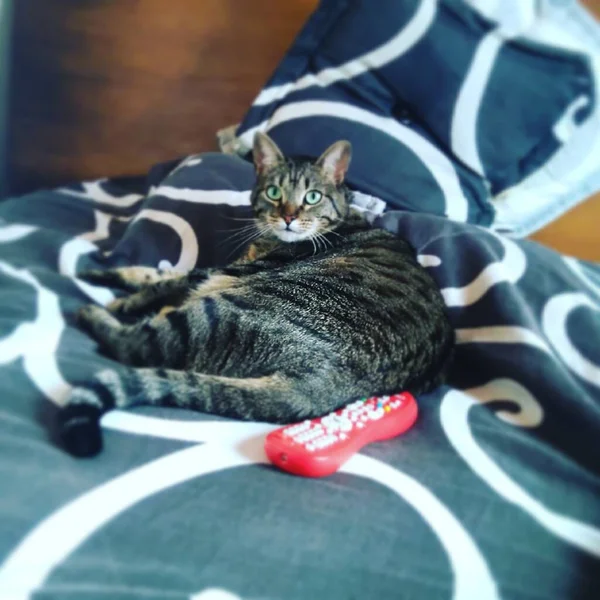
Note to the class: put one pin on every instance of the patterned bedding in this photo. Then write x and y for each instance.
(493, 494)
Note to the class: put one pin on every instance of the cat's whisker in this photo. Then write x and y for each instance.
(320, 241)
(239, 218)
(257, 233)
(261, 229)
(242, 236)
(236, 227)
(318, 237)
(236, 231)
(239, 233)
(335, 233)
(325, 241)
(241, 245)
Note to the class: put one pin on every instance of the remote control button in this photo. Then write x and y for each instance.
(377, 414)
(346, 425)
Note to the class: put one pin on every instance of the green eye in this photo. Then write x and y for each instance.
(273, 192)
(313, 197)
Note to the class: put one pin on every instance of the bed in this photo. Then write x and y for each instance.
(494, 492)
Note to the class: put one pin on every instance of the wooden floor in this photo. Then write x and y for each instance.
(111, 87)
(576, 233)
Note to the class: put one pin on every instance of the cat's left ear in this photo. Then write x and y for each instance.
(335, 161)
(266, 153)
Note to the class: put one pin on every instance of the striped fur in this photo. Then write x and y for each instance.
(291, 332)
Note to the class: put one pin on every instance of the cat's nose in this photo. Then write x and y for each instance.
(289, 218)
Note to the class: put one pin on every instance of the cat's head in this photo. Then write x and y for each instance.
(296, 199)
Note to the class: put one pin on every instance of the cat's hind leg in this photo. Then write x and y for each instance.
(276, 398)
(166, 294)
(137, 344)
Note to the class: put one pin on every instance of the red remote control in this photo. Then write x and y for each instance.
(319, 447)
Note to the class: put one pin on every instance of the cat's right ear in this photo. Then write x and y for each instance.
(266, 153)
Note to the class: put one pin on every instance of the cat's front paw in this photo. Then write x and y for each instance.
(113, 278)
(88, 317)
(108, 278)
(118, 306)
(84, 314)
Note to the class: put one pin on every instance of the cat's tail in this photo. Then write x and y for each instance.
(270, 398)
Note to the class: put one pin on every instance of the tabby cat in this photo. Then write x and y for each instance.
(322, 310)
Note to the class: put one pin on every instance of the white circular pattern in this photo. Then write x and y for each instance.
(228, 445)
(39, 359)
(509, 269)
(189, 244)
(93, 190)
(68, 258)
(579, 272)
(554, 324)
(472, 578)
(390, 50)
(454, 418)
(14, 232)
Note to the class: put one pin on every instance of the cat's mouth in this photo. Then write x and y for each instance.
(293, 231)
(286, 235)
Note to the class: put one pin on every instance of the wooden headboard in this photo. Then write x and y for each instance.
(110, 87)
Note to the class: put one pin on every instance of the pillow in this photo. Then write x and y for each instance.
(445, 107)
(572, 174)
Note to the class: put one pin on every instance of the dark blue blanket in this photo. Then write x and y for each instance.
(493, 493)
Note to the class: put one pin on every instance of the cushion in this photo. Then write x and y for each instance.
(446, 106)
